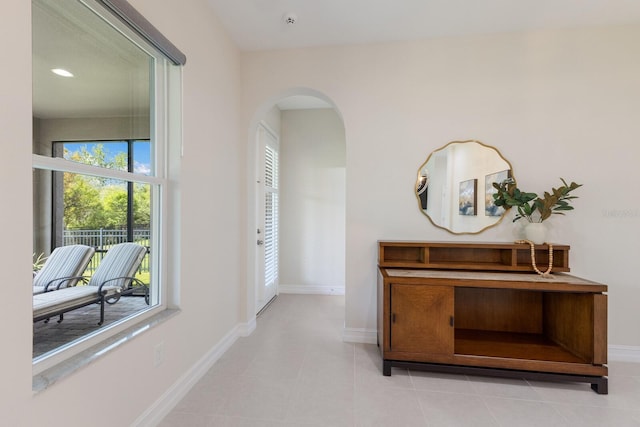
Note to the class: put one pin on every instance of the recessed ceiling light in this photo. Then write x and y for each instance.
(61, 72)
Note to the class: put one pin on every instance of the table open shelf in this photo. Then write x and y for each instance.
(511, 345)
(470, 256)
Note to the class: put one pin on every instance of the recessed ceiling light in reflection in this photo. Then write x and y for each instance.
(62, 72)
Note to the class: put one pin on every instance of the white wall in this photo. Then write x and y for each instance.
(312, 200)
(472, 161)
(15, 213)
(115, 389)
(91, 128)
(555, 103)
(273, 119)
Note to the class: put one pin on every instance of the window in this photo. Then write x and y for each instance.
(106, 123)
(93, 207)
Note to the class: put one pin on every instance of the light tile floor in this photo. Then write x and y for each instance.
(294, 370)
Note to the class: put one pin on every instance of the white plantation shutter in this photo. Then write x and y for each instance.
(271, 216)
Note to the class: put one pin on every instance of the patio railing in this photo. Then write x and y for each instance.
(103, 239)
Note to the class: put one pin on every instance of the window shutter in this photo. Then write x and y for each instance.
(271, 216)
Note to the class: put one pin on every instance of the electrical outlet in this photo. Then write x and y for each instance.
(158, 354)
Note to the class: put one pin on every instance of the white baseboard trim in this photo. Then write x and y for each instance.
(311, 290)
(624, 353)
(155, 413)
(246, 329)
(360, 335)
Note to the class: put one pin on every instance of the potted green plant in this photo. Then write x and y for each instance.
(530, 206)
(38, 262)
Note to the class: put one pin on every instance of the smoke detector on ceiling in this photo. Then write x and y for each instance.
(290, 18)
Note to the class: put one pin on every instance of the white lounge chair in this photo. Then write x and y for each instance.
(113, 278)
(62, 268)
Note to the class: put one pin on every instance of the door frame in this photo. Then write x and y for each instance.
(259, 210)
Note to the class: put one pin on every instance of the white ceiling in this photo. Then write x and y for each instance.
(259, 24)
(114, 81)
(111, 74)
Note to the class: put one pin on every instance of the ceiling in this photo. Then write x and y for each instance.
(112, 75)
(260, 24)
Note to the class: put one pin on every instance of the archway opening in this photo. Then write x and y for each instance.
(311, 209)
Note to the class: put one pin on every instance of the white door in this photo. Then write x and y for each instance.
(267, 227)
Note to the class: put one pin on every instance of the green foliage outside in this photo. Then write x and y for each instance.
(96, 202)
(98, 157)
(93, 203)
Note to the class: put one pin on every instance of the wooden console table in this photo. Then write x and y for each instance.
(501, 323)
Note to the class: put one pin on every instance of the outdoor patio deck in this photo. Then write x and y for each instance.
(77, 323)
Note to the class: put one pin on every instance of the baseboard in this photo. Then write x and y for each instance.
(311, 290)
(154, 414)
(246, 329)
(359, 335)
(624, 353)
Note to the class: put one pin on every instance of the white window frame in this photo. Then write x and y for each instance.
(165, 132)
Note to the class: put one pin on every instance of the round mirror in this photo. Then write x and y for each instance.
(454, 186)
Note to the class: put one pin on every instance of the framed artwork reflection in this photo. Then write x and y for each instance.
(467, 204)
(490, 209)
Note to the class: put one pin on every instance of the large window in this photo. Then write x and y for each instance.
(104, 117)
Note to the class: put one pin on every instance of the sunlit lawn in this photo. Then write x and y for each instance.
(144, 277)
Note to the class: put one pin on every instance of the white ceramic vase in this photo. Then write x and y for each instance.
(536, 232)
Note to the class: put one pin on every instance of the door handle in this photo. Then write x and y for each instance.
(260, 242)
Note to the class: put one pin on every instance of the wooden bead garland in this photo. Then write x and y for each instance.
(546, 273)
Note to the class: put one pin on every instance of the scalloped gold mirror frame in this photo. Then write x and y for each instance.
(453, 186)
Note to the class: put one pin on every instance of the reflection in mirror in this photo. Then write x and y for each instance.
(454, 186)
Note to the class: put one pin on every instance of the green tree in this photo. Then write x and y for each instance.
(141, 204)
(96, 202)
(98, 157)
(82, 203)
(114, 203)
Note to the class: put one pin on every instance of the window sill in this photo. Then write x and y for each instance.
(50, 376)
